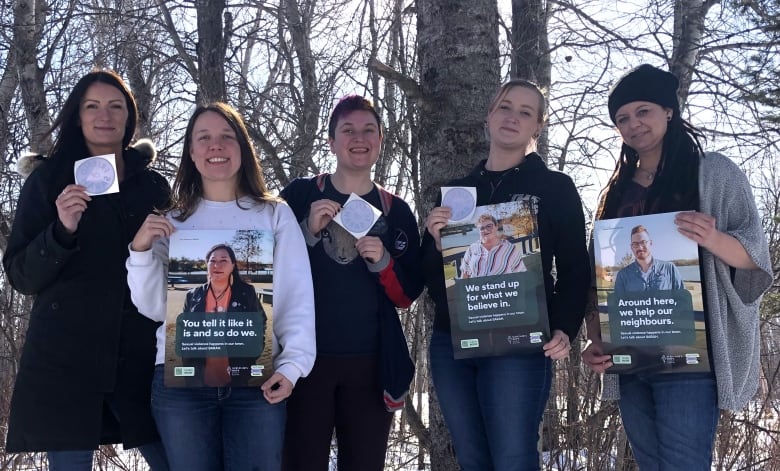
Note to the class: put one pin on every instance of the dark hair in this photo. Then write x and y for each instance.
(676, 185)
(188, 184)
(347, 105)
(230, 253)
(69, 145)
(522, 83)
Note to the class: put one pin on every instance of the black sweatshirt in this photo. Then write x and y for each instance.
(561, 233)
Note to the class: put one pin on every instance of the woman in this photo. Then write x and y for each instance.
(493, 405)
(87, 363)
(363, 368)
(671, 419)
(224, 291)
(491, 254)
(219, 185)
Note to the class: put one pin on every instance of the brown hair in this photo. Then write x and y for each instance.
(188, 184)
(638, 229)
(69, 144)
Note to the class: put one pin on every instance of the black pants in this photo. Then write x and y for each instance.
(341, 392)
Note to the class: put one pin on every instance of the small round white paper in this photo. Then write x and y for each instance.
(461, 202)
(96, 174)
(357, 216)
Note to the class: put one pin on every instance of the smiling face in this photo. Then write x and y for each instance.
(103, 117)
(488, 233)
(515, 121)
(215, 150)
(357, 141)
(642, 246)
(642, 125)
(220, 266)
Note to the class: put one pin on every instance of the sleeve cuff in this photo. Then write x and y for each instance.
(311, 240)
(140, 259)
(380, 265)
(61, 235)
(289, 371)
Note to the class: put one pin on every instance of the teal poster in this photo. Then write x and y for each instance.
(493, 275)
(650, 301)
(219, 321)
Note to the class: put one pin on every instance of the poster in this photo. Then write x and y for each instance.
(493, 276)
(650, 300)
(219, 324)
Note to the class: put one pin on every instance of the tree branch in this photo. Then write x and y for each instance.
(407, 84)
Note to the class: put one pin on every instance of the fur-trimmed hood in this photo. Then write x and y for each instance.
(30, 161)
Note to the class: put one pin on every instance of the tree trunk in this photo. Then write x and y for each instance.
(459, 73)
(8, 84)
(689, 29)
(29, 17)
(531, 50)
(211, 51)
(299, 28)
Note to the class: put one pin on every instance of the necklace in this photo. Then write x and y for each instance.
(217, 299)
(649, 176)
(495, 178)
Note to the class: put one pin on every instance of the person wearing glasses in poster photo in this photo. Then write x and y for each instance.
(646, 272)
(492, 254)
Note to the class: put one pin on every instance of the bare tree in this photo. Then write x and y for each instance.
(530, 50)
(459, 73)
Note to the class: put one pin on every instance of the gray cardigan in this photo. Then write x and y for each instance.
(732, 303)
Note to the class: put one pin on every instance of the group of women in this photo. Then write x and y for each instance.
(98, 265)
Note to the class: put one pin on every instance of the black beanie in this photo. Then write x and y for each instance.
(644, 83)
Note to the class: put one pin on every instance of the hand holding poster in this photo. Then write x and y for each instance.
(493, 276)
(219, 320)
(650, 296)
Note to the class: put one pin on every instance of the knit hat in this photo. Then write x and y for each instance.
(644, 83)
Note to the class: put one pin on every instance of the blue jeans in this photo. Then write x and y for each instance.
(492, 406)
(214, 429)
(81, 460)
(670, 419)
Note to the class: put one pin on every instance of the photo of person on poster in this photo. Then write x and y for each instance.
(646, 272)
(224, 291)
(492, 254)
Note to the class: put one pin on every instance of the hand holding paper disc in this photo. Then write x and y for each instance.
(460, 200)
(97, 174)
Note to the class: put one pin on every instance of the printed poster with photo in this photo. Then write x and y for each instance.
(649, 296)
(493, 277)
(219, 325)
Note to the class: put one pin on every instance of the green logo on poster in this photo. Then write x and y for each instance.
(184, 371)
(621, 359)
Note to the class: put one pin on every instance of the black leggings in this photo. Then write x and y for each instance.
(341, 392)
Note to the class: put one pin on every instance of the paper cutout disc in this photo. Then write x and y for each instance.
(96, 174)
(357, 216)
(461, 202)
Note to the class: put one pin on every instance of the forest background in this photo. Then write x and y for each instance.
(431, 67)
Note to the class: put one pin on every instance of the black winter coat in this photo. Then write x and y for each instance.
(86, 342)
